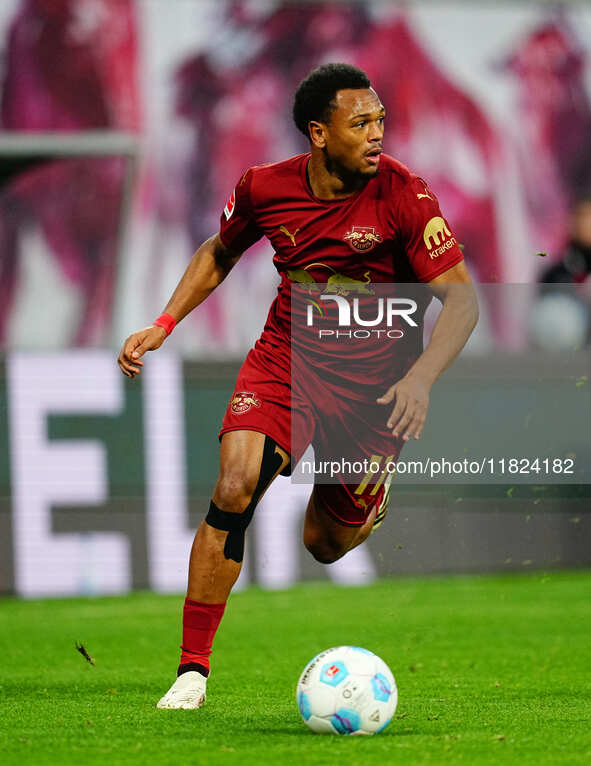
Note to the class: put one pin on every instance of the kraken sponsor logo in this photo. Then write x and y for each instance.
(436, 237)
(288, 234)
(362, 238)
(242, 401)
(447, 245)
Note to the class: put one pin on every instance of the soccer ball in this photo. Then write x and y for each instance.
(347, 690)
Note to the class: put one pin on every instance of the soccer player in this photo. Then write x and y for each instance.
(347, 209)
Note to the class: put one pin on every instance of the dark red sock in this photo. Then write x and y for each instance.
(200, 623)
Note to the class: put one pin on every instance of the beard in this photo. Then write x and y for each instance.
(351, 179)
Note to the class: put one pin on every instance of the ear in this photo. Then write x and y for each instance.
(317, 133)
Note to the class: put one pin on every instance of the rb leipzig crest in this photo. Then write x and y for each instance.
(362, 238)
(242, 401)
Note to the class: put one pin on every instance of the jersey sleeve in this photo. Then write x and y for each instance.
(238, 227)
(426, 236)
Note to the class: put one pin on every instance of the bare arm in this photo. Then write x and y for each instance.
(207, 269)
(454, 325)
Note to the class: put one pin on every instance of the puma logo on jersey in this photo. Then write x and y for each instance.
(288, 234)
(424, 196)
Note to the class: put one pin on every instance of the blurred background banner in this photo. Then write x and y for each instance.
(489, 104)
(124, 126)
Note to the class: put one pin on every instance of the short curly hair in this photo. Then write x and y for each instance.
(314, 98)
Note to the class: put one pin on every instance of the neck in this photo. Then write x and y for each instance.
(329, 183)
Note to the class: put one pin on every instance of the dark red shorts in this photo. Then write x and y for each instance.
(316, 413)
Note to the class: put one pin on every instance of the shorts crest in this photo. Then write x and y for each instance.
(242, 401)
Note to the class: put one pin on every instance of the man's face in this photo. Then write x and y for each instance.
(353, 136)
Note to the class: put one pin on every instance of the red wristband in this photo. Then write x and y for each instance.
(166, 321)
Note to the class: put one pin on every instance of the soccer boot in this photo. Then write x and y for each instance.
(187, 692)
(382, 509)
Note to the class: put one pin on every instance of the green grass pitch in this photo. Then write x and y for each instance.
(490, 669)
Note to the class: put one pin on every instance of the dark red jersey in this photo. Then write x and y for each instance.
(391, 231)
(297, 385)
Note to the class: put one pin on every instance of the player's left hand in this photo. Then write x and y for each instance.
(410, 412)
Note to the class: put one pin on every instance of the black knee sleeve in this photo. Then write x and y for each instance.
(235, 524)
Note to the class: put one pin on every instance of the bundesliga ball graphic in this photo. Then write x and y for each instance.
(347, 690)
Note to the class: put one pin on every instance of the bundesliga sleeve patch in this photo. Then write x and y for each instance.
(230, 205)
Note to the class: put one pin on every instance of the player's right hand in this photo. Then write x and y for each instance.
(136, 345)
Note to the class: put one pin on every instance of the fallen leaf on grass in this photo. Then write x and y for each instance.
(84, 653)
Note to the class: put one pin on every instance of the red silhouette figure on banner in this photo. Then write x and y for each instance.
(70, 66)
(554, 116)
